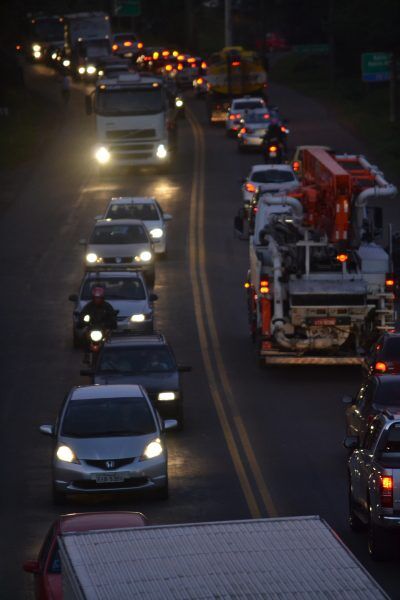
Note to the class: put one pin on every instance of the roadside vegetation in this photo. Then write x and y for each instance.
(363, 108)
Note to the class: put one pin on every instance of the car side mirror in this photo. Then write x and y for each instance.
(86, 372)
(47, 430)
(348, 400)
(31, 566)
(153, 297)
(170, 424)
(83, 242)
(351, 442)
(184, 368)
(88, 105)
(167, 217)
(73, 297)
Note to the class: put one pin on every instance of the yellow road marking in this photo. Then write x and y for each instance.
(197, 258)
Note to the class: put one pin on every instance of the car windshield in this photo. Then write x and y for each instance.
(391, 349)
(124, 288)
(107, 417)
(138, 101)
(143, 212)
(247, 105)
(135, 360)
(388, 393)
(272, 176)
(119, 234)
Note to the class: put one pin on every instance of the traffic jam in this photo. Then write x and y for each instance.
(320, 287)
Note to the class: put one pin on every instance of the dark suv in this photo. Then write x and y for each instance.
(145, 360)
(384, 356)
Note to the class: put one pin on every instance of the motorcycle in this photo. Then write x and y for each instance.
(96, 335)
(274, 152)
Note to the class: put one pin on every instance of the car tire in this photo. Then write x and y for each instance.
(162, 493)
(379, 543)
(355, 522)
(58, 497)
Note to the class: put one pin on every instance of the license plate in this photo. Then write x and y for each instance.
(110, 478)
(324, 321)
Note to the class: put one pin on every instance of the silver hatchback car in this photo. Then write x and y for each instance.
(108, 438)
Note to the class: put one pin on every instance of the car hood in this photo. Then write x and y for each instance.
(106, 250)
(153, 382)
(289, 185)
(125, 308)
(103, 448)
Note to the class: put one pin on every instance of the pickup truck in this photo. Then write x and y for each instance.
(374, 483)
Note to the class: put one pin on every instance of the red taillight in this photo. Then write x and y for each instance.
(296, 166)
(390, 282)
(264, 286)
(140, 45)
(243, 130)
(203, 65)
(232, 117)
(380, 367)
(115, 47)
(272, 149)
(250, 187)
(266, 116)
(387, 491)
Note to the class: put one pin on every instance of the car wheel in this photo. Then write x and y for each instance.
(379, 546)
(354, 521)
(58, 497)
(162, 493)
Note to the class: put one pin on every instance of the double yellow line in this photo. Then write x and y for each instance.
(256, 494)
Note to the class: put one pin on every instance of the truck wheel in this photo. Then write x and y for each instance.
(354, 521)
(58, 497)
(379, 546)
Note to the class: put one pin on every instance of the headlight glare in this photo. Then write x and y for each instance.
(153, 449)
(91, 70)
(138, 318)
(164, 396)
(65, 454)
(96, 335)
(178, 102)
(91, 257)
(66, 62)
(156, 233)
(81, 70)
(161, 151)
(102, 155)
(86, 319)
(145, 256)
(37, 54)
(36, 47)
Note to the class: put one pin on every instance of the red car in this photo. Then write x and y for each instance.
(47, 567)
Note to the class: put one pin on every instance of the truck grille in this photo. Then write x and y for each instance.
(130, 148)
(133, 134)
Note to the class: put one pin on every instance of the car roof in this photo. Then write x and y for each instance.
(136, 340)
(133, 200)
(100, 520)
(256, 168)
(94, 392)
(102, 222)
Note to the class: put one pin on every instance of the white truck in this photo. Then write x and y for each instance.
(81, 30)
(320, 286)
(294, 557)
(135, 121)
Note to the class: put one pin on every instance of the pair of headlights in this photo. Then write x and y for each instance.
(90, 70)
(103, 155)
(144, 256)
(152, 450)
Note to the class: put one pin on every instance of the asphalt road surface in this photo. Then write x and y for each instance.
(256, 442)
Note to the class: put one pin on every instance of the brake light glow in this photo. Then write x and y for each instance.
(180, 67)
(266, 116)
(191, 60)
(140, 45)
(165, 53)
(168, 68)
(155, 55)
(199, 81)
(342, 258)
(264, 286)
(273, 148)
(127, 43)
(250, 187)
(115, 47)
(296, 166)
(387, 491)
(232, 117)
(390, 281)
(380, 367)
(204, 65)
(243, 130)
(235, 63)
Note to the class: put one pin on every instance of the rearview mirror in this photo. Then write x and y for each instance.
(86, 372)
(167, 217)
(153, 297)
(348, 400)
(351, 442)
(170, 424)
(73, 297)
(31, 566)
(47, 430)
(88, 105)
(184, 368)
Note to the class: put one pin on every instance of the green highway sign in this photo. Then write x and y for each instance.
(312, 49)
(375, 66)
(127, 8)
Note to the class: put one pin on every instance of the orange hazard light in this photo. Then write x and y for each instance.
(342, 258)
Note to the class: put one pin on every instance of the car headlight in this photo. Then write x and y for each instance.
(54, 56)
(161, 151)
(91, 257)
(36, 47)
(86, 319)
(96, 335)
(65, 454)
(102, 155)
(164, 396)
(145, 256)
(81, 70)
(156, 233)
(178, 102)
(66, 62)
(91, 70)
(153, 449)
(101, 73)
(37, 54)
(138, 318)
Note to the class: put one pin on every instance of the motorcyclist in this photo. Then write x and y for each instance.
(98, 312)
(276, 133)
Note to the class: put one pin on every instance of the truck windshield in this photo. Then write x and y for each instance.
(95, 48)
(134, 101)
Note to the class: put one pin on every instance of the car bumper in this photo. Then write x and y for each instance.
(251, 141)
(81, 479)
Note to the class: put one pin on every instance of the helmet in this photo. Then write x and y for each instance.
(98, 294)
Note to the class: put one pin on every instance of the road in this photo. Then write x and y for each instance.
(256, 442)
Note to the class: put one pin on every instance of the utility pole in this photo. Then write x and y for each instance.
(228, 23)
